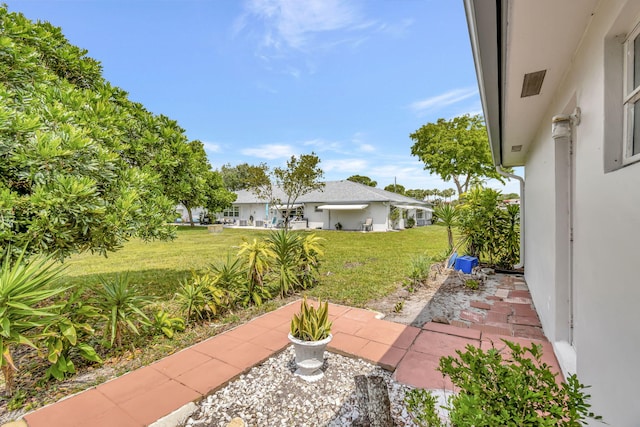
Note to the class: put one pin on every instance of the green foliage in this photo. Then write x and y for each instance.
(120, 304)
(286, 247)
(338, 226)
(447, 215)
(410, 222)
(26, 287)
(420, 269)
(193, 183)
(456, 149)
(163, 323)
(365, 180)
(243, 176)
(490, 227)
(398, 306)
(192, 301)
(311, 324)
(258, 255)
(417, 194)
(515, 390)
(68, 335)
(422, 406)
(301, 176)
(395, 188)
(82, 168)
(311, 251)
(472, 284)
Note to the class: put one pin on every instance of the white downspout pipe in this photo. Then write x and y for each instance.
(520, 264)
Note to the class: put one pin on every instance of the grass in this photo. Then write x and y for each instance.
(357, 267)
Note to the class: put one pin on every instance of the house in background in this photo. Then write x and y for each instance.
(345, 202)
(560, 87)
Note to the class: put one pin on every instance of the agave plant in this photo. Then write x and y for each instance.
(26, 287)
(122, 307)
(311, 324)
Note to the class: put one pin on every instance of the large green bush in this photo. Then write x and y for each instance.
(509, 387)
(490, 228)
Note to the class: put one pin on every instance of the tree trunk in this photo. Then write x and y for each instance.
(457, 182)
(373, 402)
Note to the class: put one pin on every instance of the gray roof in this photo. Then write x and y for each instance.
(337, 192)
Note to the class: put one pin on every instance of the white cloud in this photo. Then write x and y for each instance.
(291, 22)
(442, 100)
(270, 151)
(367, 148)
(211, 147)
(344, 165)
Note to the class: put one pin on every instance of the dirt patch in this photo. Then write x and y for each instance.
(440, 299)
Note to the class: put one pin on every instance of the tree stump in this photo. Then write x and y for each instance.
(373, 402)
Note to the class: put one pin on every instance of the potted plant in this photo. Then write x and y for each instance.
(310, 334)
(338, 226)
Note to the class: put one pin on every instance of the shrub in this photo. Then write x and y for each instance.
(258, 255)
(286, 247)
(490, 227)
(26, 287)
(518, 390)
(163, 323)
(122, 307)
(68, 334)
(420, 268)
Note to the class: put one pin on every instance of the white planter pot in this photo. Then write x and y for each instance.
(310, 357)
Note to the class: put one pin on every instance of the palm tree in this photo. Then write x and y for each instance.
(448, 216)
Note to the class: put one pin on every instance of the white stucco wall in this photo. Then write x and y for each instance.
(606, 271)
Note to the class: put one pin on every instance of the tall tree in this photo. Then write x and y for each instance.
(361, 179)
(417, 194)
(395, 188)
(455, 149)
(238, 177)
(81, 166)
(301, 176)
(193, 183)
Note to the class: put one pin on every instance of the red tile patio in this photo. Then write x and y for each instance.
(141, 397)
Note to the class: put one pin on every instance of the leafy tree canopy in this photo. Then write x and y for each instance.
(416, 194)
(240, 177)
(301, 176)
(362, 180)
(456, 149)
(81, 166)
(395, 188)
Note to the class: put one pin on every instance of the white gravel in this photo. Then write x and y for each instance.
(271, 395)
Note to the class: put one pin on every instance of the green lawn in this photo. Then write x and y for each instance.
(357, 267)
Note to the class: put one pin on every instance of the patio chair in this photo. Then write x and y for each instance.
(274, 222)
(367, 225)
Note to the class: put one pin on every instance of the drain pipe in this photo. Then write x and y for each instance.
(520, 264)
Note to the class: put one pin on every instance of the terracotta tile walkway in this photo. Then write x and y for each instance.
(141, 397)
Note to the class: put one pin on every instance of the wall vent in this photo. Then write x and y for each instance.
(532, 83)
(516, 148)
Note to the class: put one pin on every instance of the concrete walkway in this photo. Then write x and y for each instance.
(141, 397)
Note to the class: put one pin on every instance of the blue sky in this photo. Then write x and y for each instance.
(261, 80)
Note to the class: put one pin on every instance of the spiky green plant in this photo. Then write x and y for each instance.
(163, 323)
(286, 246)
(311, 251)
(311, 324)
(121, 306)
(26, 287)
(258, 256)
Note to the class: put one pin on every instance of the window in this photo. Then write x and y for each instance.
(233, 211)
(632, 97)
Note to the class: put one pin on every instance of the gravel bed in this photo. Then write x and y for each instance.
(271, 395)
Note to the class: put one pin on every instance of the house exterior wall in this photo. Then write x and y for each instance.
(606, 224)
